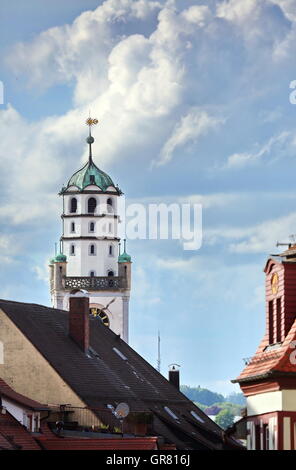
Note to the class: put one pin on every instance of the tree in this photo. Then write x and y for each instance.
(225, 418)
(236, 398)
(201, 395)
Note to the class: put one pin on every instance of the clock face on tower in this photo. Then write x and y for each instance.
(97, 312)
(274, 283)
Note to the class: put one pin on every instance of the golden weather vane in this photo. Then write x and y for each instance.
(91, 122)
(90, 140)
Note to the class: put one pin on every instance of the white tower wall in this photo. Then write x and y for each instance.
(94, 269)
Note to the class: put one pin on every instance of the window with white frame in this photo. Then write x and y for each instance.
(91, 205)
(73, 205)
(110, 205)
(92, 249)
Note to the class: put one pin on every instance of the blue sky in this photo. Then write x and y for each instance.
(193, 100)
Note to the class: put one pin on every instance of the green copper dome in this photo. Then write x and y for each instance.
(60, 258)
(90, 174)
(124, 258)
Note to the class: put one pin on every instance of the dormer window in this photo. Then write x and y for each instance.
(92, 179)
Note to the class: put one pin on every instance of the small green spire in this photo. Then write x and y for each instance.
(124, 257)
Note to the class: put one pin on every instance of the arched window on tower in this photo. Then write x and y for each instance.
(92, 273)
(110, 273)
(110, 250)
(92, 250)
(92, 227)
(91, 205)
(109, 205)
(72, 250)
(73, 205)
(72, 226)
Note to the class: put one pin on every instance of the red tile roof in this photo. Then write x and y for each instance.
(271, 361)
(8, 392)
(15, 435)
(66, 443)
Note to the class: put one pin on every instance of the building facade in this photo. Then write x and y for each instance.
(269, 379)
(90, 257)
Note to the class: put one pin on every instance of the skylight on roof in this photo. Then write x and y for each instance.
(171, 413)
(195, 415)
(120, 354)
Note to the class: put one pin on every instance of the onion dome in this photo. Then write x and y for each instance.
(124, 258)
(90, 174)
(60, 258)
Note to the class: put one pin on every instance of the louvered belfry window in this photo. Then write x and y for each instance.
(92, 204)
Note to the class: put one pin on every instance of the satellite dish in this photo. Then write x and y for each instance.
(122, 410)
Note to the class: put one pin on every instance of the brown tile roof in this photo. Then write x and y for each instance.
(270, 361)
(121, 443)
(8, 392)
(105, 376)
(14, 435)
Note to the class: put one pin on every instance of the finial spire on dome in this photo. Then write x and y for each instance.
(90, 140)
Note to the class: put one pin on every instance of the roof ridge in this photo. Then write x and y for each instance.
(32, 304)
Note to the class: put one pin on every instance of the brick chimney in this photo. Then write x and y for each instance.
(174, 375)
(79, 319)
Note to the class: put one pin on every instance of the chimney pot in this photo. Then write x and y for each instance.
(174, 375)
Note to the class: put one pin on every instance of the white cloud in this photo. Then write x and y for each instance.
(276, 143)
(192, 126)
(9, 248)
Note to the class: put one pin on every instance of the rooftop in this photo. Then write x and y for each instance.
(102, 377)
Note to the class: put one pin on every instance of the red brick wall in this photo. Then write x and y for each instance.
(79, 321)
(284, 301)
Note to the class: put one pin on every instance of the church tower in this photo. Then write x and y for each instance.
(269, 379)
(90, 257)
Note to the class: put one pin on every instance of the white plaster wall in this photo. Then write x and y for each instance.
(82, 226)
(82, 200)
(264, 403)
(83, 262)
(16, 411)
(287, 433)
(281, 400)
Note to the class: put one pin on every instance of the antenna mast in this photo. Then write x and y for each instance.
(158, 357)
